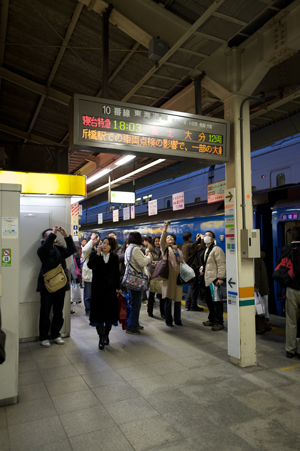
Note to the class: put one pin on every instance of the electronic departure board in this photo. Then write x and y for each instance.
(119, 127)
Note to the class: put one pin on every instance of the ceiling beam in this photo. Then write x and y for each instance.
(29, 137)
(275, 105)
(49, 93)
(175, 47)
(121, 21)
(63, 48)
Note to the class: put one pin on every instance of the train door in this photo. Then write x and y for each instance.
(282, 227)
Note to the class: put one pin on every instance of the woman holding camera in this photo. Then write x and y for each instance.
(171, 292)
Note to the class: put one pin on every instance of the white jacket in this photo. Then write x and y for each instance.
(87, 273)
(138, 260)
(215, 267)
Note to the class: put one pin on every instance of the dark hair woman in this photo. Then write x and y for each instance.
(155, 285)
(105, 285)
(135, 238)
(138, 261)
(171, 292)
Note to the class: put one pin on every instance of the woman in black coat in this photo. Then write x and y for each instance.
(105, 284)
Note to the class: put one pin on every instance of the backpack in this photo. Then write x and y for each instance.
(284, 271)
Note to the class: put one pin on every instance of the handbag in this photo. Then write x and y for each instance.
(55, 279)
(259, 304)
(214, 292)
(162, 267)
(156, 285)
(75, 293)
(2, 343)
(186, 272)
(133, 279)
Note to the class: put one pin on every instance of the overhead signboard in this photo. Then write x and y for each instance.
(121, 197)
(119, 127)
(215, 191)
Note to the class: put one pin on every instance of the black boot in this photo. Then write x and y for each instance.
(106, 333)
(100, 330)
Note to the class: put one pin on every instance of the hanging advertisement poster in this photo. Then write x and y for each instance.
(126, 214)
(116, 216)
(100, 218)
(152, 207)
(215, 191)
(132, 212)
(178, 201)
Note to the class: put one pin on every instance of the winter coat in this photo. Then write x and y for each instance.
(190, 251)
(214, 266)
(170, 288)
(139, 261)
(261, 283)
(105, 283)
(87, 273)
(51, 256)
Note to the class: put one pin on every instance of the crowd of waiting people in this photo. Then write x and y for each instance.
(103, 264)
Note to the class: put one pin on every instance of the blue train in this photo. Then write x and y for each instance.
(276, 206)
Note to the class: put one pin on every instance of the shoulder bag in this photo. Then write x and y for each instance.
(133, 279)
(162, 267)
(55, 279)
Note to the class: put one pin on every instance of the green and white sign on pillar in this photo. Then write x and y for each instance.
(6, 258)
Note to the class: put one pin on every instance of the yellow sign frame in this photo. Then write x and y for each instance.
(42, 183)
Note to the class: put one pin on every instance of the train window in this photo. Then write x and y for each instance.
(197, 199)
(111, 208)
(168, 203)
(138, 201)
(280, 179)
(147, 198)
(106, 211)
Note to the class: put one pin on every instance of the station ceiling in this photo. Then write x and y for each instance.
(50, 50)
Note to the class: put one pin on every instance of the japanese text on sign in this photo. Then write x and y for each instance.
(107, 124)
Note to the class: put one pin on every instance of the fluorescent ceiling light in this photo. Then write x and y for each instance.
(124, 160)
(143, 168)
(98, 175)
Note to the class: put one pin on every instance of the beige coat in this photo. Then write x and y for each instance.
(215, 267)
(170, 288)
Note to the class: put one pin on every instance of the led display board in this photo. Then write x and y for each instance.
(119, 127)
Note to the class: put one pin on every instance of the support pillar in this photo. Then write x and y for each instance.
(245, 329)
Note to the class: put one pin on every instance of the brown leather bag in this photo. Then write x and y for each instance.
(162, 268)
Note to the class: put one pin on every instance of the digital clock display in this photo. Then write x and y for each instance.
(117, 127)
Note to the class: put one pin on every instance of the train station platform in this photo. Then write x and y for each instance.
(166, 389)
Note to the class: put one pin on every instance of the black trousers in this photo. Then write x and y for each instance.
(151, 304)
(192, 296)
(215, 308)
(48, 300)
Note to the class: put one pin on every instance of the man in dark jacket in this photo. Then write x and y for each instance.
(51, 255)
(190, 251)
(292, 308)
